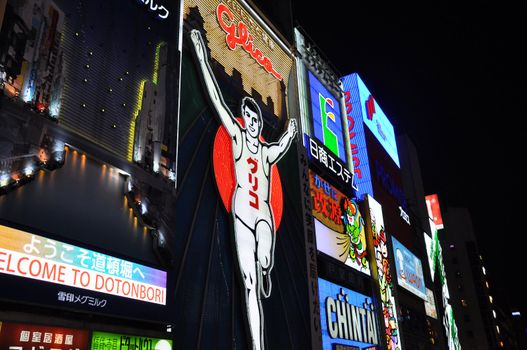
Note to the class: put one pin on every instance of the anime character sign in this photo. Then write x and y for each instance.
(251, 208)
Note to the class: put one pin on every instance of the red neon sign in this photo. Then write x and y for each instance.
(239, 35)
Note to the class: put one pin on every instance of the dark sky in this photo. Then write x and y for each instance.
(453, 78)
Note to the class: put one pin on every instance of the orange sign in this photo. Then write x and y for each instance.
(434, 211)
(326, 201)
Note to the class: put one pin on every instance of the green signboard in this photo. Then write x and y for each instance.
(112, 341)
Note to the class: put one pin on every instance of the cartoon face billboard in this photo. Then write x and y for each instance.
(238, 146)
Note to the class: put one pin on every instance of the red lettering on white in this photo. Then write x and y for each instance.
(238, 35)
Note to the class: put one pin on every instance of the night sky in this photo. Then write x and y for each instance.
(454, 79)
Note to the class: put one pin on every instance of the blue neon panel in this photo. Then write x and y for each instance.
(379, 124)
(335, 126)
(329, 289)
(355, 123)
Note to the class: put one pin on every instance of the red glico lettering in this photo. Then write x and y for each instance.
(239, 35)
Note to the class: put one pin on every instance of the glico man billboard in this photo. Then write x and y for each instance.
(240, 242)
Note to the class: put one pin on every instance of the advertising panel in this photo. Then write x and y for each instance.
(359, 151)
(239, 205)
(112, 341)
(327, 120)
(373, 116)
(348, 319)
(430, 304)
(434, 210)
(18, 336)
(328, 164)
(339, 225)
(409, 270)
(435, 257)
(383, 274)
(31, 256)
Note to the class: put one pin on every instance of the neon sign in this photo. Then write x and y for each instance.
(359, 152)
(435, 258)
(348, 318)
(238, 35)
(384, 275)
(18, 336)
(327, 121)
(372, 115)
(320, 155)
(434, 210)
(409, 270)
(251, 161)
(339, 226)
(161, 11)
(31, 256)
(112, 341)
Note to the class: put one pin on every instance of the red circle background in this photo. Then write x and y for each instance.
(224, 174)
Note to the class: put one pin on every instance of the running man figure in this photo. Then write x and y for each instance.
(254, 231)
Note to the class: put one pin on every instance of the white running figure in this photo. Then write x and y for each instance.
(254, 231)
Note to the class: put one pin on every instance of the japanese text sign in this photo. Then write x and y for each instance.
(17, 336)
(111, 341)
(31, 256)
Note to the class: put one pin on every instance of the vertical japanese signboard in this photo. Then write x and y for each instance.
(383, 274)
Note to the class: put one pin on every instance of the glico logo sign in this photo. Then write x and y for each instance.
(238, 35)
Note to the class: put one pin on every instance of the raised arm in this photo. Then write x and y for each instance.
(211, 85)
(277, 149)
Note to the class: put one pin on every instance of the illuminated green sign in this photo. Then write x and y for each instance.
(112, 341)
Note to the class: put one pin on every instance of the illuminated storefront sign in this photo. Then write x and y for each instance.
(359, 151)
(373, 116)
(434, 210)
(430, 304)
(18, 336)
(339, 225)
(348, 318)
(435, 257)
(334, 167)
(35, 257)
(384, 275)
(111, 341)
(327, 120)
(409, 270)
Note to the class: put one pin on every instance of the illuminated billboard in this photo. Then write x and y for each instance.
(348, 319)
(112, 341)
(327, 120)
(409, 269)
(35, 257)
(339, 226)
(435, 258)
(434, 210)
(19, 336)
(359, 151)
(383, 275)
(430, 304)
(372, 115)
(241, 186)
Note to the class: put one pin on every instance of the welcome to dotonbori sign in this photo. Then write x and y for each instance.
(36, 257)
